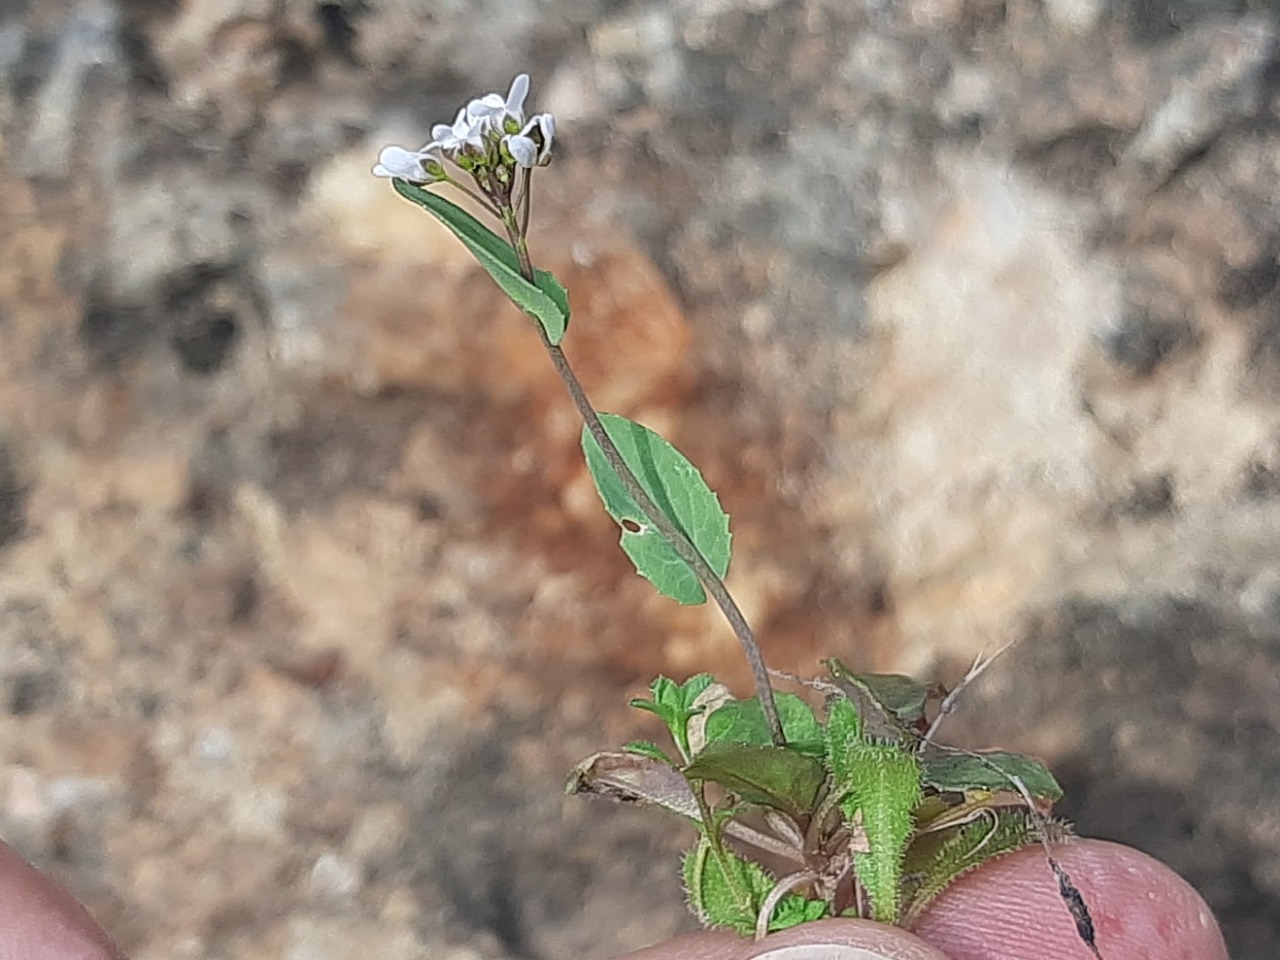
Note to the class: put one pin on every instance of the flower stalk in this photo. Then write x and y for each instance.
(492, 140)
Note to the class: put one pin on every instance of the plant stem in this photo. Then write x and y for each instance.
(678, 539)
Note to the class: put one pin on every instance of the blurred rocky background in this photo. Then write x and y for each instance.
(968, 309)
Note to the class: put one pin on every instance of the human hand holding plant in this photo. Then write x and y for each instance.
(850, 808)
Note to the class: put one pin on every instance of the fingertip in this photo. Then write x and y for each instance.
(40, 920)
(1011, 909)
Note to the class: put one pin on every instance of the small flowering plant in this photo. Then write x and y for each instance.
(835, 801)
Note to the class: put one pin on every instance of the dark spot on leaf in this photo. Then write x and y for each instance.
(631, 526)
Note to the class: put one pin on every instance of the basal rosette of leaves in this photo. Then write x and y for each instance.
(861, 814)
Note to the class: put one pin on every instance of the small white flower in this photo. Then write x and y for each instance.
(523, 150)
(402, 163)
(463, 133)
(495, 113)
(530, 151)
(488, 136)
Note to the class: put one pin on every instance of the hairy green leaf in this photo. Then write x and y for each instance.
(724, 890)
(793, 910)
(934, 860)
(742, 721)
(882, 788)
(546, 300)
(678, 489)
(989, 770)
(844, 734)
(766, 775)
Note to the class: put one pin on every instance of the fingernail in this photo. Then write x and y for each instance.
(820, 951)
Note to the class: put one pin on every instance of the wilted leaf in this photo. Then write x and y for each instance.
(634, 778)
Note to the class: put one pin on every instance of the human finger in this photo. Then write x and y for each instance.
(1011, 909)
(39, 920)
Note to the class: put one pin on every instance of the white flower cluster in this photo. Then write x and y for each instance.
(489, 131)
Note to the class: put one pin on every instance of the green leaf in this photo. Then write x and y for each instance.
(678, 489)
(724, 891)
(903, 696)
(994, 770)
(765, 775)
(890, 704)
(793, 910)
(675, 703)
(546, 300)
(742, 721)
(882, 787)
(935, 860)
(844, 734)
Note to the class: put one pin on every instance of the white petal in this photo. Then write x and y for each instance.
(516, 97)
(489, 106)
(524, 150)
(468, 130)
(548, 124)
(398, 162)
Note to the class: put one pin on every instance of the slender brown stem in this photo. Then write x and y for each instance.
(678, 539)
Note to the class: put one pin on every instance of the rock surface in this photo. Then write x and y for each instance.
(968, 309)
